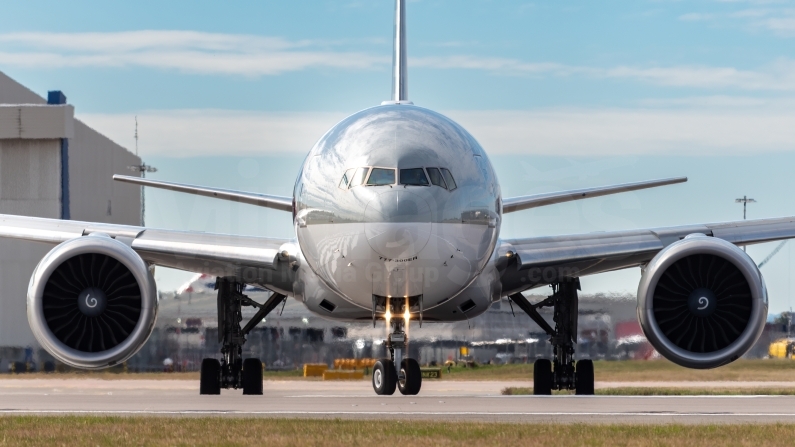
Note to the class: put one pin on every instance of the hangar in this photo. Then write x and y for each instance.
(51, 165)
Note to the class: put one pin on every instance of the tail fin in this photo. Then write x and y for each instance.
(400, 77)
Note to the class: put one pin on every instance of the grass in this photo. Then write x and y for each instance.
(134, 431)
(658, 391)
(768, 370)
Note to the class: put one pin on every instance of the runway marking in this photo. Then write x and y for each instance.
(388, 413)
(572, 396)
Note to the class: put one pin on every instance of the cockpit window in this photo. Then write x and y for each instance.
(346, 178)
(414, 177)
(359, 176)
(448, 177)
(381, 176)
(436, 177)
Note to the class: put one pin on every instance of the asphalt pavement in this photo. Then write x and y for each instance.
(439, 400)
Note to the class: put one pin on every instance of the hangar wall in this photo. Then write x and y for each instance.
(51, 165)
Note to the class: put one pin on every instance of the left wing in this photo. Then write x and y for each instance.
(513, 204)
(259, 260)
(532, 262)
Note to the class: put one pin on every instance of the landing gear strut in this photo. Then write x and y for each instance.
(232, 371)
(396, 371)
(562, 373)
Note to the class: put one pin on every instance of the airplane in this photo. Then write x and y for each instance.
(397, 214)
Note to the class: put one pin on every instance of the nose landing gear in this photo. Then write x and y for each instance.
(396, 371)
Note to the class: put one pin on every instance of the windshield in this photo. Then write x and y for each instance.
(414, 177)
(381, 176)
(359, 176)
(448, 177)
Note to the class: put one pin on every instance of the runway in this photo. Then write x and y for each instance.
(440, 400)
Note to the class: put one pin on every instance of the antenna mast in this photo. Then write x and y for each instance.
(143, 168)
(136, 135)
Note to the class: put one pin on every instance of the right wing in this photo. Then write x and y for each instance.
(258, 260)
(252, 198)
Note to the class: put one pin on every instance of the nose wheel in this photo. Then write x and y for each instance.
(396, 371)
(409, 377)
(384, 377)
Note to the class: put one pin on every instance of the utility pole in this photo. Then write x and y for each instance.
(143, 168)
(745, 201)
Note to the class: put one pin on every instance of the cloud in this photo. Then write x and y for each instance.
(194, 133)
(777, 16)
(717, 126)
(188, 51)
(782, 25)
(248, 55)
(631, 131)
(779, 76)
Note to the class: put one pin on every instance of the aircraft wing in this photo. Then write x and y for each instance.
(258, 260)
(532, 262)
(513, 204)
(252, 198)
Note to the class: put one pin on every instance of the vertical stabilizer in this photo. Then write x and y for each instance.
(400, 77)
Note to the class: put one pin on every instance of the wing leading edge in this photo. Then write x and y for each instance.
(531, 262)
(275, 202)
(513, 204)
(258, 260)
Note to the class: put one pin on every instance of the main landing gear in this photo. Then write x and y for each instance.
(232, 371)
(396, 371)
(562, 373)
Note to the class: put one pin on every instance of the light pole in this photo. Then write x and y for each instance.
(143, 168)
(745, 201)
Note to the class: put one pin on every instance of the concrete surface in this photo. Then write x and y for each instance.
(443, 400)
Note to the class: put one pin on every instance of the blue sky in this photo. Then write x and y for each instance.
(561, 94)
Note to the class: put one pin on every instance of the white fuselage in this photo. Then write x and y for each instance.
(394, 202)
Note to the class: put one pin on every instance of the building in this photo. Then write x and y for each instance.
(51, 165)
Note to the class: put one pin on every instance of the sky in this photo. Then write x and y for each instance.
(561, 95)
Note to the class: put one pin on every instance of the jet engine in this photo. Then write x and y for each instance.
(702, 302)
(92, 302)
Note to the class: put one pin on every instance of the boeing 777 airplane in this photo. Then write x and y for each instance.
(397, 214)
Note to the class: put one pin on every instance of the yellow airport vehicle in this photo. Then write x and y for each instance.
(782, 348)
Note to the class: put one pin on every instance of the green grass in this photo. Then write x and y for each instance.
(643, 371)
(640, 391)
(164, 431)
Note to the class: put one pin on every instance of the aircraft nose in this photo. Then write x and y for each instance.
(397, 224)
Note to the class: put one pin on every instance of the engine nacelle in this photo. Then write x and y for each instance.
(702, 302)
(92, 302)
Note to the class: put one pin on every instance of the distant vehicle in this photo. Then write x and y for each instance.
(782, 348)
(397, 214)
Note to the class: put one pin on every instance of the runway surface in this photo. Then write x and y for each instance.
(439, 400)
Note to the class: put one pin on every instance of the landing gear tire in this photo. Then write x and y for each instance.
(252, 377)
(410, 377)
(583, 378)
(210, 377)
(542, 377)
(384, 377)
